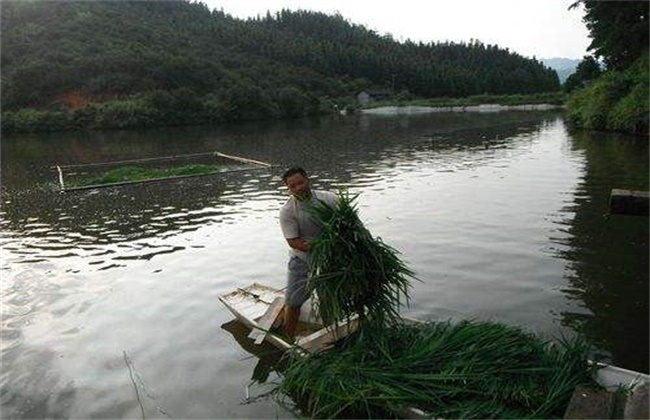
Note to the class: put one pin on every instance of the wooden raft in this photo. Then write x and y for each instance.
(629, 202)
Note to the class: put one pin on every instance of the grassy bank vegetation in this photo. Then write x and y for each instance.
(184, 107)
(163, 108)
(616, 101)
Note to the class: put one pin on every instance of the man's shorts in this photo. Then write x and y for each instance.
(297, 277)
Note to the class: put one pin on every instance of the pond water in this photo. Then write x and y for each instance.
(110, 296)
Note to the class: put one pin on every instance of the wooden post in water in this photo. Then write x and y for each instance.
(629, 202)
(58, 168)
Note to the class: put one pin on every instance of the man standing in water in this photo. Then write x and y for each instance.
(298, 228)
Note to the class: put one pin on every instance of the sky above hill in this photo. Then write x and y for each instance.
(539, 28)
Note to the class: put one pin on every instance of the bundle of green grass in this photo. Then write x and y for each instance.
(450, 370)
(352, 272)
(446, 370)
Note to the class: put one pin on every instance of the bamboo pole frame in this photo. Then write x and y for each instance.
(128, 161)
(241, 159)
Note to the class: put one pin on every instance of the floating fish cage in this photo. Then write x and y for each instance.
(139, 171)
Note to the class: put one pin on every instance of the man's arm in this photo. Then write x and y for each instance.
(300, 244)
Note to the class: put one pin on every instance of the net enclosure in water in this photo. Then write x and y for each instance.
(135, 171)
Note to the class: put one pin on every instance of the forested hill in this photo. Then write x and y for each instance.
(76, 52)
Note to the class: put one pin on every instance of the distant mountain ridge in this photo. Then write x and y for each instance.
(564, 67)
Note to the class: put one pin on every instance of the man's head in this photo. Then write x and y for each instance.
(296, 180)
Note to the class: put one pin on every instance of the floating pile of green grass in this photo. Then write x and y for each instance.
(138, 173)
(461, 370)
(352, 272)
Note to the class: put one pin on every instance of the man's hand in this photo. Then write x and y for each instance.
(300, 244)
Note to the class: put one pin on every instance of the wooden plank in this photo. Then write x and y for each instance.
(266, 322)
(249, 322)
(251, 302)
(274, 339)
(611, 377)
(235, 300)
(254, 313)
(322, 339)
(629, 202)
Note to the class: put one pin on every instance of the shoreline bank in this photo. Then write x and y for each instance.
(483, 108)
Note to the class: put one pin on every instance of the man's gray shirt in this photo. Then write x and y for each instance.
(297, 222)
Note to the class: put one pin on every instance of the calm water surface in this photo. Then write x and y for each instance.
(109, 297)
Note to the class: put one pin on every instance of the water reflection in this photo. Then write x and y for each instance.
(607, 255)
(40, 224)
(269, 361)
(268, 356)
(46, 224)
(36, 389)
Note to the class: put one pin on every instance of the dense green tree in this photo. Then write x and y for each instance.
(618, 29)
(292, 102)
(618, 98)
(588, 69)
